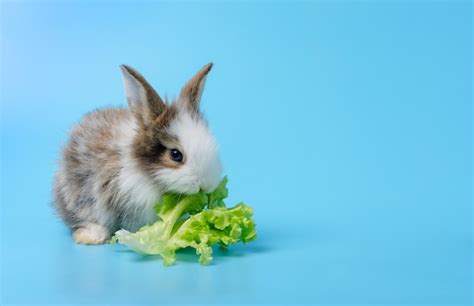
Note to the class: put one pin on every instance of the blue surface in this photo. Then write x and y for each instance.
(347, 126)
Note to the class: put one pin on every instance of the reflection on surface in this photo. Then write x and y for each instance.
(95, 272)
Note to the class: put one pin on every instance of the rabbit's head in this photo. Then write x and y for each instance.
(173, 144)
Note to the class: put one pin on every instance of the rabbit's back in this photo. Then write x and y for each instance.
(87, 178)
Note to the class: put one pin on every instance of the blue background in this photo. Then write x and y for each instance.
(346, 125)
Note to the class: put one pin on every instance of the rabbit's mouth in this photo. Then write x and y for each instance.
(183, 184)
(190, 190)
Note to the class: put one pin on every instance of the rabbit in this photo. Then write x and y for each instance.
(118, 162)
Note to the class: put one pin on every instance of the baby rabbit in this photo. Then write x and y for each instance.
(118, 162)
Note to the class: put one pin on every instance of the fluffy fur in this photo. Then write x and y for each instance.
(117, 162)
(200, 170)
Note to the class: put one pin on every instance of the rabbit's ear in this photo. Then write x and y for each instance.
(191, 93)
(143, 101)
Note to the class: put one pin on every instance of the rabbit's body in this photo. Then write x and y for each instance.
(118, 162)
(97, 180)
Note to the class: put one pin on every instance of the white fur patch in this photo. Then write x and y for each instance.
(202, 167)
(136, 186)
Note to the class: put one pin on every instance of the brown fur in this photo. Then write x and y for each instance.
(151, 143)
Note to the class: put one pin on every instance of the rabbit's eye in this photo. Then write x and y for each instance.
(176, 155)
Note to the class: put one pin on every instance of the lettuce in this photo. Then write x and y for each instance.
(198, 221)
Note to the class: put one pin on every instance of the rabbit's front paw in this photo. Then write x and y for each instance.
(91, 234)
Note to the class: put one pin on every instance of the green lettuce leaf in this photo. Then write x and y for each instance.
(216, 198)
(198, 221)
